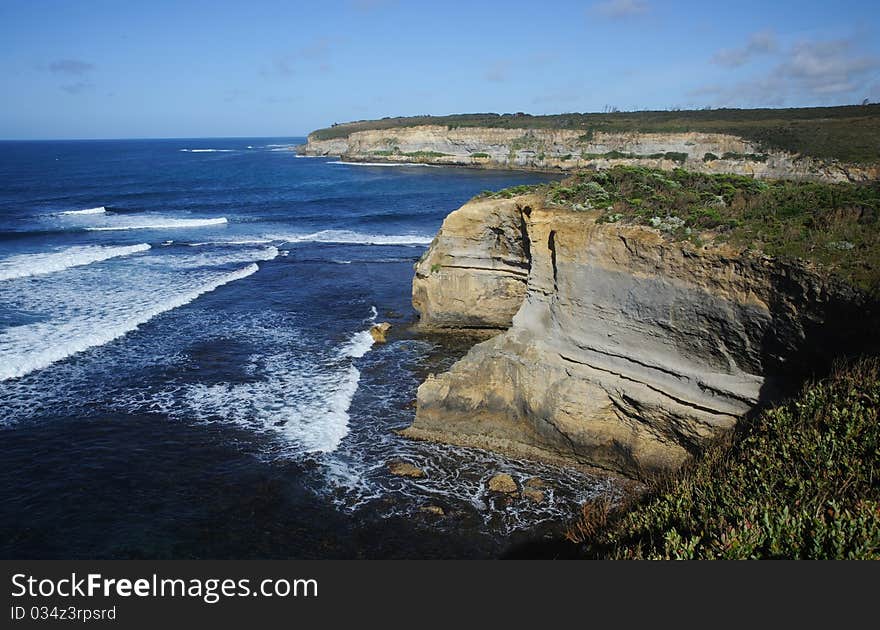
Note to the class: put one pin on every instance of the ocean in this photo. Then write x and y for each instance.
(186, 369)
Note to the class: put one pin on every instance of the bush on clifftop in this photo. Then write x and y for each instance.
(802, 481)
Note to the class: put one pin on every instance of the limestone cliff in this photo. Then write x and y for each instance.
(569, 150)
(627, 351)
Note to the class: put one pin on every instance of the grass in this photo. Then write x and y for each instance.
(835, 225)
(801, 481)
(849, 133)
(413, 154)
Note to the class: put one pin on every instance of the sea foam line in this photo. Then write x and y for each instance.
(306, 403)
(100, 210)
(166, 224)
(24, 349)
(356, 238)
(25, 265)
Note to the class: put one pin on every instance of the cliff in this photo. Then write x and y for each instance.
(567, 150)
(626, 349)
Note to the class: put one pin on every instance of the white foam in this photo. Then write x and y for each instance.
(84, 325)
(25, 265)
(303, 400)
(192, 259)
(100, 210)
(157, 224)
(385, 164)
(257, 241)
(359, 344)
(356, 238)
(207, 150)
(373, 314)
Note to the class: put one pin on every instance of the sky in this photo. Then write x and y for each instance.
(110, 69)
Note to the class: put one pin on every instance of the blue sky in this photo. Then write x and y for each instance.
(105, 69)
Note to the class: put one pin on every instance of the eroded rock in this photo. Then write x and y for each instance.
(629, 351)
(405, 469)
(502, 483)
(379, 332)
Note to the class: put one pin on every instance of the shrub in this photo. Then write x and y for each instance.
(800, 482)
(781, 218)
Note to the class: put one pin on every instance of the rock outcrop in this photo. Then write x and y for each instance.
(474, 274)
(627, 351)
(570, 150)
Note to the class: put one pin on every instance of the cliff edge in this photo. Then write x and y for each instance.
(626, 350)
(830, 144)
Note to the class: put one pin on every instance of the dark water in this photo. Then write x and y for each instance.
(187, 373)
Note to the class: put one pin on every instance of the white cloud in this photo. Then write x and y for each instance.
(620, 8)
(761, 43)
(74, 67)
(78, 88)
(812, 71)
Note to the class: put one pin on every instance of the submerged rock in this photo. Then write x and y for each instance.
(533, 489)
(502, 483)
(379, 332)
(533, 494)
(433, 509)
(405, 469)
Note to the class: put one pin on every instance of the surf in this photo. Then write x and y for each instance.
(27, 265)
(30, 347)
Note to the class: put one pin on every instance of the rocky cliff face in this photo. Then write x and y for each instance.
(626, 351)
(567, 150)
(475, 272)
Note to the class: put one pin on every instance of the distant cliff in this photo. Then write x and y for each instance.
(827, 144)
(627, 349)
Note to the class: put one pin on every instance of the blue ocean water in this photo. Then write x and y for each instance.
(185, 367)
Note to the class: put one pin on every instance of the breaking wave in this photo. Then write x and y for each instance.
(100, 210)
(25, 265)
(30, 347)
(158, 224)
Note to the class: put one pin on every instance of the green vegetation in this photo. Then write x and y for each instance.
(426, 155)
(836, 225)
(513, 191)
(436, 267)
(479, 154)
(802, 481)
(681, 158)
(708, 157)
(752, 157)
(850, 133)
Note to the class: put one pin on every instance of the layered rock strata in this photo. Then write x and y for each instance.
(625, 350)
(569, 150)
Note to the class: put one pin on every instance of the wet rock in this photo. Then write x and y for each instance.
(533, 494)
(405, 469)
(535, 482)
(433, 509)
(503, 484)
(379, 332)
